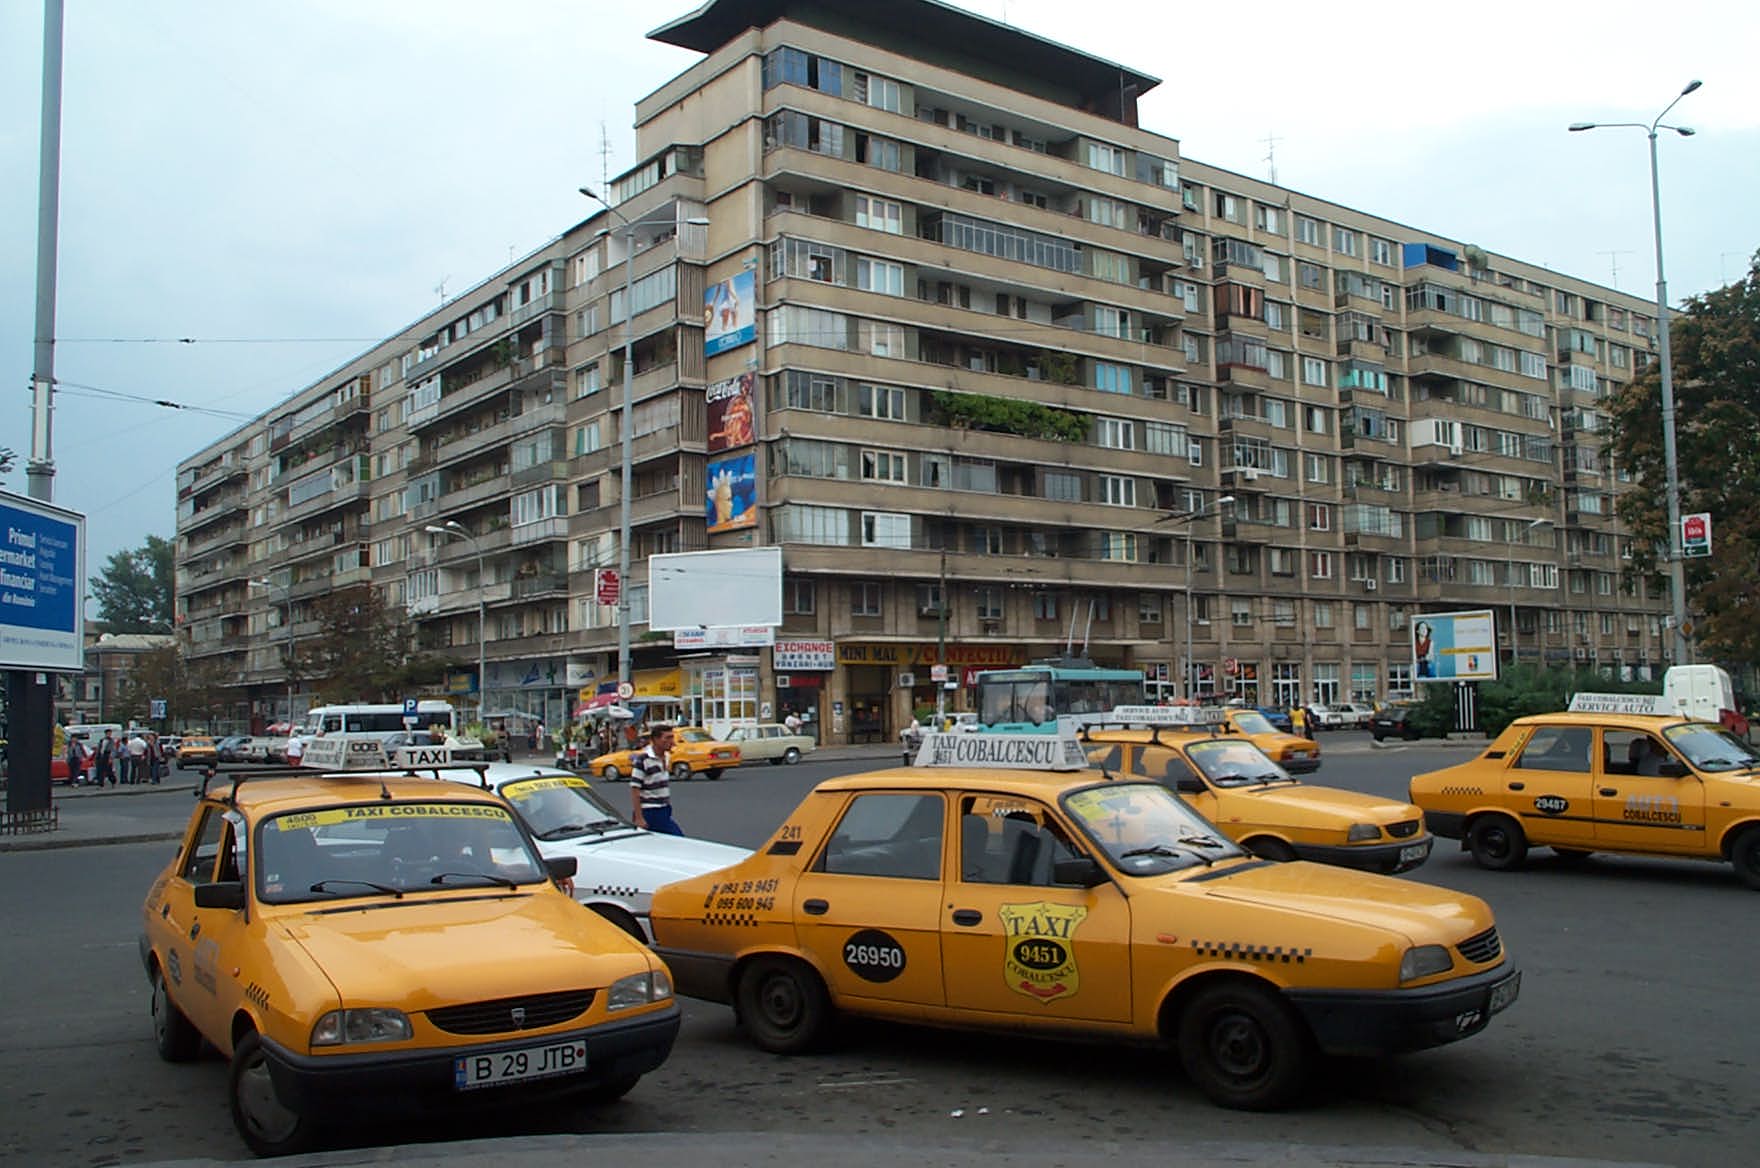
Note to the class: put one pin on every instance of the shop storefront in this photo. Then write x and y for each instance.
(879, 687)
(801, 669)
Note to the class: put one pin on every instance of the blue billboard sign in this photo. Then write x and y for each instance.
(42, 585)
(1454, 646)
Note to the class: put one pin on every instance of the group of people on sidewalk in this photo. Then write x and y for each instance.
(135, 759)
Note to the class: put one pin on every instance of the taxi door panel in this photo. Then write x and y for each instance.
(1647, 812)
(1015, 942)
(1550, 786)
(870, 907)
(216, 939)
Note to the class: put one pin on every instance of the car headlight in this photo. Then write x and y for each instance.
(1362, 831)
(373, 1024)
(1424, 961)
(638, 989)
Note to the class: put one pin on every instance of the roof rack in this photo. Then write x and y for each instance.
(390, 771)
(1152, 718)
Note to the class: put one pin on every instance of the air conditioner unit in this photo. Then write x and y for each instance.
(1249, 475)
(1370, 584)
(1195, 261)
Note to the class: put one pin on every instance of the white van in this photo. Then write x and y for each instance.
(1704, 692)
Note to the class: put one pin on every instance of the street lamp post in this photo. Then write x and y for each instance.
(287, 607)
(1676, 568)
(1188, 518)
(627, 426)
(1509, 576)
(450, 528)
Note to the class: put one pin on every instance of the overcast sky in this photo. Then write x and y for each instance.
(288, 183)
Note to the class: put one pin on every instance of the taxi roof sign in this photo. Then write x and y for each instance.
(350, 752)
(1611, 703)
(1015, 752)
(1153, 716)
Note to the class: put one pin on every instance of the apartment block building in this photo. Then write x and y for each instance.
(912, 295)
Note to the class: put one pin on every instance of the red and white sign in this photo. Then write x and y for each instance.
(803, 656)
(606, 586)
(1696, 534)
(1230, 666)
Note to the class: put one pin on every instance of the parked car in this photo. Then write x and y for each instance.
(230, 748)
(694, 751)
(770, 742)
(1340, 716)
(1392, 722)
(1011, 891)
(198, 750)
(382, 938)
(1279, 719)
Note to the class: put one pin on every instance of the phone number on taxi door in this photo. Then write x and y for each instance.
(742, 894)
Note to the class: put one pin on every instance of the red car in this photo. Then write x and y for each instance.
(59, 773)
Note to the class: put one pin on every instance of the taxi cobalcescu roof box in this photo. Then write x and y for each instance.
(1007, 887)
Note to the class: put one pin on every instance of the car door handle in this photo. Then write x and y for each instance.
(1610, 790)
(816, 907)
(1518, 786)
(967, 916)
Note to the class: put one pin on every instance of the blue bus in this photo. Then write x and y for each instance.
(1030, 699)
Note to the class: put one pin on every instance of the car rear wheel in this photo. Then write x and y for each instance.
(1497, 843)
(1744, 853)
(792, 755)
(681, 771)
(783, 1005)
(173, 1033)
(1268, 848)
(267, 1125)
(611, 773)
(1244, 1047)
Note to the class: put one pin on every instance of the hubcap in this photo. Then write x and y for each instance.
(259, 1104)
(160, 1023)
(782, 1001)
(1239, 1046)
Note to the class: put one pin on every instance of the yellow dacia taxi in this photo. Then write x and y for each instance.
(1614, 773)
(196, 750)
(361, 939)
(998, 884)
(1255, 801)
(694, 751)
(1292, 752)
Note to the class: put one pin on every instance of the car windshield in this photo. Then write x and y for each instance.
(1145, 829)
(561, 807)
(1711, 748)
(1234, 763)
(1253, 722)
(394, 848)
(691, 736)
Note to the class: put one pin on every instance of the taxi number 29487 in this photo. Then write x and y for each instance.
(507, 1066)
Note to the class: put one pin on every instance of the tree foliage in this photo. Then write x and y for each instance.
(365, 650)
(134, 589)
(1520, 690)
(977, 411)
(1716, 368)
(196, 692)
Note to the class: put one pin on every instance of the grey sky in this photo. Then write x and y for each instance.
(304, 176)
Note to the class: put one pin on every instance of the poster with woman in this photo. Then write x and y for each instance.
(1454, 646)
(730, 411)
(728, 319)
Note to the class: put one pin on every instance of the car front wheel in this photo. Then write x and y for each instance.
(1744, 853)
(611, 773)
(173, 1033)
(267, 1125)
(1243, 1047)
(681, 771)
(1497, 843)
(792, 755)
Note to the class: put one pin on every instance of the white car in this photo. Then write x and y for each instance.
(772, 742)
(618, 866)
(1342, 716)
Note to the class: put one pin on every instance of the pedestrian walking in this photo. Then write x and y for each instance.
(650, 785)
(106, 768)
(137, 758)
(155, 758)
(296, 749)
(538, 737)
(76, 762)
(792, 723)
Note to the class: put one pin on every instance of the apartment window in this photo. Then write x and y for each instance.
(1063, 486)
(1232, 208)
(1111, 378)
(808, 391)
(1118, 490)
(1323, 617)
(1268, 219)
(988, 603)
(1045, 606)
(1380, 251)
(1104, 211)
(1195, 451)
(1313, 371)
(864, 598)
(1107, 158)
(798, 596)
(880, 339)
(1272, 266)
(1188, 196)
(1164, 438)
(1396, 570)
(797, 523)
(879, 276)
(1307, 230)
(1240, 612)
(588, 381)
(1118, 545)
(1315, 421)
(1112, 322)
(1344, 241)
(1148, 608)
(1283, 612)
(1320, 565)
(1319, 517)
(879, 92)
(1115, 433)
(536, 506)
(883, 466)
(886, 529)
(1281, 561)
(881, 401)
(876, 151)
(879, 214)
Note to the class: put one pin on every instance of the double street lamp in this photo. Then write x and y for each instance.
(1188, 518)
(287, 619)
(628, 424)
(452, 528)
(1676, 569)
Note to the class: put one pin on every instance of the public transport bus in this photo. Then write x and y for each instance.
(362, 719)
(1030, 699)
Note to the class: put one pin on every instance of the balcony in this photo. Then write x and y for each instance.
(553, 414)
(492, 487)
(555, 527)
(545, 584)
(455, 402)
(229, 467)
(544, 472)
(224, 537)
(532, 309)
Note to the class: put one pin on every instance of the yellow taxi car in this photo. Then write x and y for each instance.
(1292, 752)
(695, 751)
(358, 939)
(196, 750)
(998, 884)
(1255, 801)
(1614, 773)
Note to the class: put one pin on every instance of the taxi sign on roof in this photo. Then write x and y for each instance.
(1015, 752)
(347, 752)
(1610, 703)
(1154, 716)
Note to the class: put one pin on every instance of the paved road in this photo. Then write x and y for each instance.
(1633, 1039)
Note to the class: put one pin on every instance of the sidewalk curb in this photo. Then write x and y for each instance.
(49, 842)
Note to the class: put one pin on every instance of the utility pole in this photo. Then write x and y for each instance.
(941, 645)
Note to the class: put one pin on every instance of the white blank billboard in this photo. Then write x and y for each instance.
(740, 586)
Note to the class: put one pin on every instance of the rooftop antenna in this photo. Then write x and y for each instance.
(604, 157)
(440, 288)
(1613, 262)
(1271, 141)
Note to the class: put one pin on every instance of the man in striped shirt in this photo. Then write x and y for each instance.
(650, 791)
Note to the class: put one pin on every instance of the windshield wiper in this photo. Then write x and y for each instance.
(1164, 850)
(1202, 841)
(565, 829)
(1272, 777)
(387, 889)
(443, 877)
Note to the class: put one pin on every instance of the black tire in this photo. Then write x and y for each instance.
(1268, 848)
(775, 762)
(1409, 734)
(783, 1005)
(609, 1091)
(611, 774)
(714, 774)
(1497, 843)
(621, 917)
(1744, 853)
(1571, 855)
(1377, 735)
(173, 1033)
(791, 756)
(1243, 1046)
(681, 771)
(267, 1126)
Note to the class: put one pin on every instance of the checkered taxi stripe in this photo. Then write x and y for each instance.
(738, 920)
(614, 890)
(1236, 950)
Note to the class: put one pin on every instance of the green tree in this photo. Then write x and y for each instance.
(134, 589)
(1520, 690)
(365, 650)
(195, 692)
(1716, 366)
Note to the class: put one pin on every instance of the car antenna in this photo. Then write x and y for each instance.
(384, 791)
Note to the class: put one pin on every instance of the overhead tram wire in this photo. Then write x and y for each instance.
(78, 389)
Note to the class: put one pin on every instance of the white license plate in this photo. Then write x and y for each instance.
(495, 1067)
(1413, 853)
(1504, 992)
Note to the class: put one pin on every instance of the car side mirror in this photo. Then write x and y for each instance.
(1189, 784)
(1672, 769)
(227, 894)
(1081, 872)
(561, 867)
